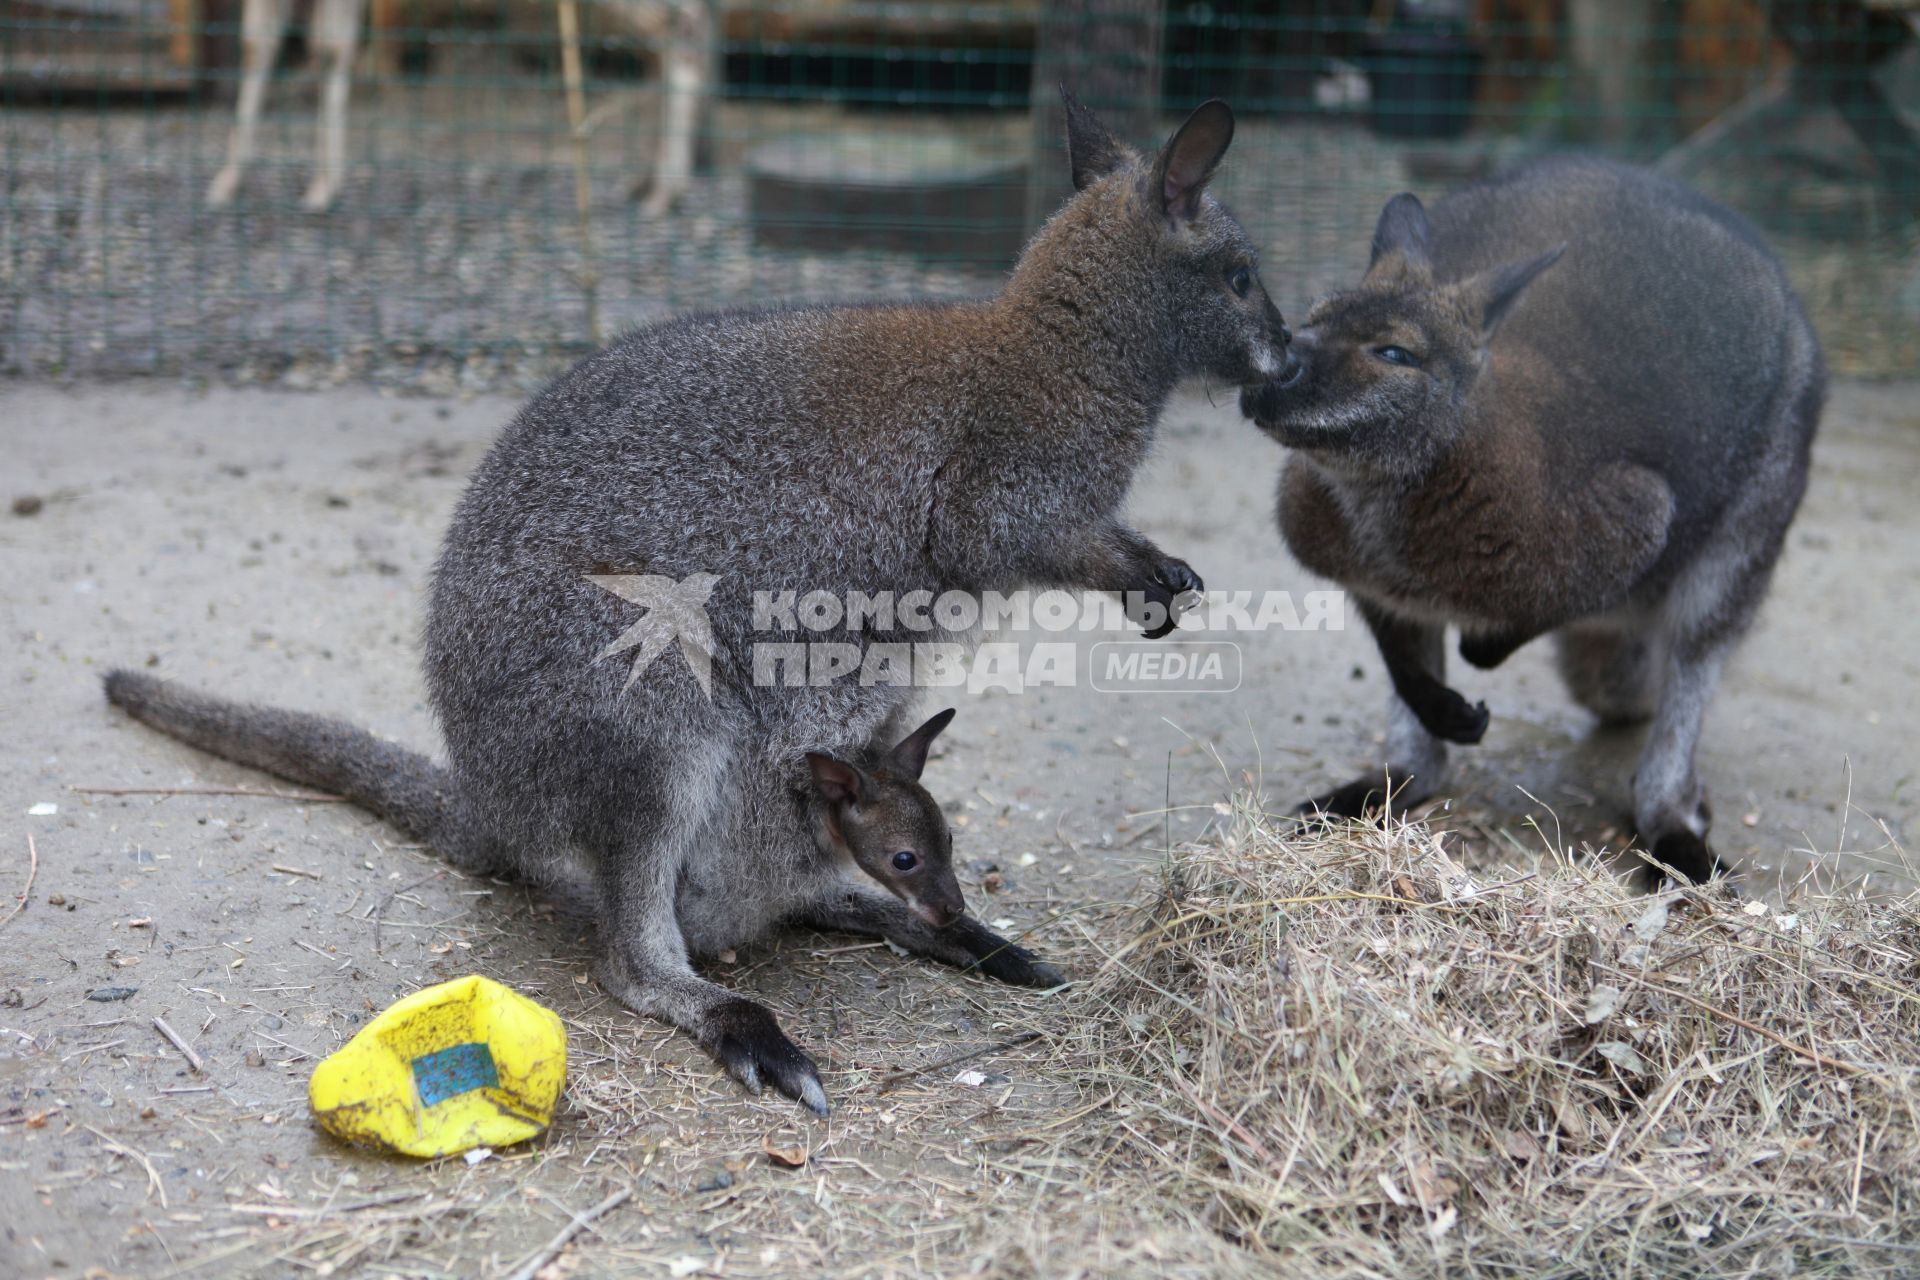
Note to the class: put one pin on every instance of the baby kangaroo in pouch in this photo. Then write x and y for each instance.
(1577, 399)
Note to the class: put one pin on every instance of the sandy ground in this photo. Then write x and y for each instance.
(276, 546)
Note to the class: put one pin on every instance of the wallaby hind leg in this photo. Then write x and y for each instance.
(1416, 764)
(336, 36)
(964, 944)
(643, 962)
(1612, 669)
(1669, 804)
(262, 24)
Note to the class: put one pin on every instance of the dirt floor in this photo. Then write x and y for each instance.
(276, 545)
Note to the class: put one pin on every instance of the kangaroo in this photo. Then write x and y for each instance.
(819, 858)
(1576, 399)
(883, 449)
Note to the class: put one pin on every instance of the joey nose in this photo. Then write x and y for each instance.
(938, 914)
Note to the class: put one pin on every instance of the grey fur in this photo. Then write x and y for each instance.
(1603, 434)
(975, 447)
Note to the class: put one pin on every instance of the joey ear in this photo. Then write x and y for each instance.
(910, 756)
(1092, 150)
(837, 781)
(1187, 162)
(1402, 232)
(1493, 293)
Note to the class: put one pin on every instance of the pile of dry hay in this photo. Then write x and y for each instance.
(1340, 1053)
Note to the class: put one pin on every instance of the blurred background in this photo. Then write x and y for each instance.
(520, 179)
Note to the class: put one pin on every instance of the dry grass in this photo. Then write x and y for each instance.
(1339, 1052)
(1332, 1054)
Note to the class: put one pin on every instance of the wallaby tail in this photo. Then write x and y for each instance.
(401, 786)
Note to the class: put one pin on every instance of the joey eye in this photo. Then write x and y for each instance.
(1240, 281)
(905, 860)
(1398, 355)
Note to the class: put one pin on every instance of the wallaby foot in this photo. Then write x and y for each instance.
(1356, 799)
(965, 944)
(225, 184)
(1686, 853)
(743, 1036)
(749, 1043)
(320, 194)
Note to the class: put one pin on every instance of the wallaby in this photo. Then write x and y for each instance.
(680, 32)
(788, 857)
(880, 449)
(1578, 399)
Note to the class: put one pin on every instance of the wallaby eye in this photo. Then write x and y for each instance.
(1398, 355)
(1240, 281)
(905, 861)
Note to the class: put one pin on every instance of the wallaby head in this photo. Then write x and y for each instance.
(1383, 372)
(1160, 264)
(879, 815)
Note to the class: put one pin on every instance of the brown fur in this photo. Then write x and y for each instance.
(1608, 448)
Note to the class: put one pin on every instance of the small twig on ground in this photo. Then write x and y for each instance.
(545, 1254)
(140, 1157)
(380, 911)
(33, 869)
(311, 797)
(327, 1211)
(901, 1077)
(1819, 1059)
(186, 1050)
(297, 871)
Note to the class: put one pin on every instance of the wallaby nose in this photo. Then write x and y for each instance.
(1291, 372)
(938, 914)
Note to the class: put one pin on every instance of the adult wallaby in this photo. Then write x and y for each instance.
(887, 450)
(784, 856)
(1576, 399)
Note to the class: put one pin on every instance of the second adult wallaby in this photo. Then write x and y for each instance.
(1578, 399)
(592, 644)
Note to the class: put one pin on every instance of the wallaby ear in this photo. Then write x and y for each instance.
(1092, 151)
(910, 756)
(1188, 160)
(1494, 292)
(837, 781)
(1402, 233)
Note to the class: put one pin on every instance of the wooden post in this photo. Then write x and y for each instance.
(1108, 53)
(183, 35)
(572, 72)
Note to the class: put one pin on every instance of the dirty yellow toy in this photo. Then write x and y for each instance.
(466, 1064)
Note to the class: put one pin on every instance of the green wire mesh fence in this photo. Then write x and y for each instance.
(504, 166)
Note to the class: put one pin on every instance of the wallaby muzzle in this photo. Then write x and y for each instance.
(943, 904)
(1263, 401)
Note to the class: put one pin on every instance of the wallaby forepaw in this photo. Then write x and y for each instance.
(1018, 967)
(1172, 590)
(1462, 723)
(749, 1043)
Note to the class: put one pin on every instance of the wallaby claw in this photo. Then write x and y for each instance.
(1174, 588)
(749, 1043)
